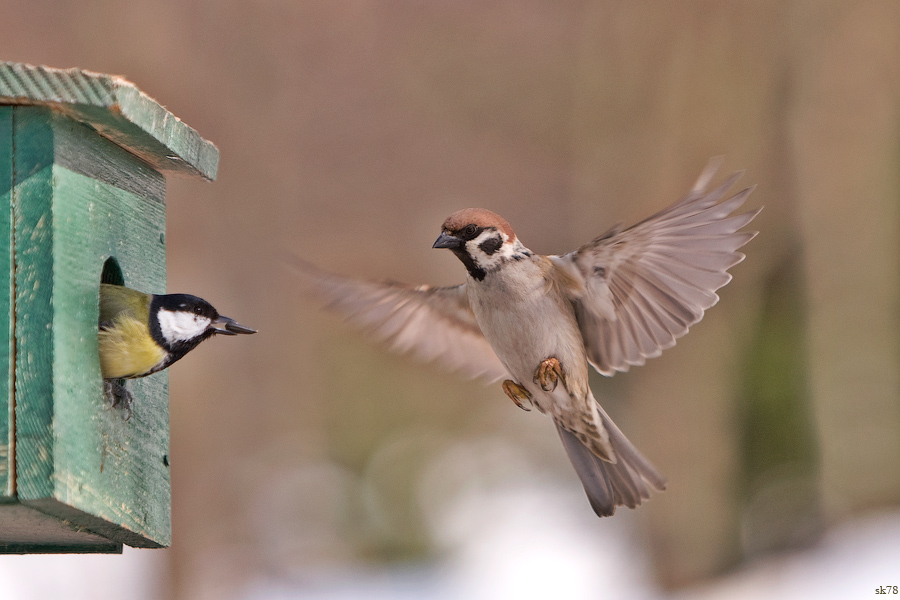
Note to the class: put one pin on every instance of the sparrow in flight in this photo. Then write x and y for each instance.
(537, 321)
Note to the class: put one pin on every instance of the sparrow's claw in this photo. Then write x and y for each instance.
(548, 373)
(517, 394)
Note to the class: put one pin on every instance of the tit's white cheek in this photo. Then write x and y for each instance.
(181, 326)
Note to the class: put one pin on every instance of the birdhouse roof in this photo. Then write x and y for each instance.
(118, 110)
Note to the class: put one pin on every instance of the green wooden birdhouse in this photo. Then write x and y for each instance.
(82, 198)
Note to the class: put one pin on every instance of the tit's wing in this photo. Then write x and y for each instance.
(430, 323)
(118, 300)
(636, 290)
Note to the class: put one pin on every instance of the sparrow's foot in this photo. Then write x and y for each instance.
(118, 396)
(548, 373)
(517, 394)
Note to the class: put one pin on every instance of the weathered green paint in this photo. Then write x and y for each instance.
(7, 442)
(117, 110)
(81, 156)
(76, 457)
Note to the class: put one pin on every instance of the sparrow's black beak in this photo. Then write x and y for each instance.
(445, 240)
(226, 326)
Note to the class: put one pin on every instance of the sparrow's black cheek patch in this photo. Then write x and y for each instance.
(490, 245)
(471, 266)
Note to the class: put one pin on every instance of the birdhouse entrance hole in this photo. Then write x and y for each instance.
(112, 272)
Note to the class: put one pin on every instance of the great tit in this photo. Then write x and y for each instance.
(141, 334)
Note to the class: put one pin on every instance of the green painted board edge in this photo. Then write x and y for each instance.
(117, 110)
(7, 407)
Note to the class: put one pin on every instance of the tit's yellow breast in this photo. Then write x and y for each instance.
(127, 349)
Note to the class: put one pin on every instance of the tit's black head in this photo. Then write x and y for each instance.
(178, 322)
(187, 304)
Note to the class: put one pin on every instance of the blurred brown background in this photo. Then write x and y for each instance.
(349, 130)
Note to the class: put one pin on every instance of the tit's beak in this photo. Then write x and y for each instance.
(226, 326)
(445, 240)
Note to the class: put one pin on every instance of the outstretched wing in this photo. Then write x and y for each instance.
(433, 324)
(641, 288)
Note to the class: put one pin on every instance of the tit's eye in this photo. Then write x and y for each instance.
(198, 310)
(470, 230)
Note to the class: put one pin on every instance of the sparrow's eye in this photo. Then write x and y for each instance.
(469, 231)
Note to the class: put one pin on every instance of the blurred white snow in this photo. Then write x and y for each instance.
(518, 543)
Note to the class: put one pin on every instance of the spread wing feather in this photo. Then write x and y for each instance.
(641, 288)
(433, 324)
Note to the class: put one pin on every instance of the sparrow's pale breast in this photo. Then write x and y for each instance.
(526, 321)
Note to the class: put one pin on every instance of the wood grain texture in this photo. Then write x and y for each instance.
(26, 530)
(7, 443)
(117, 110)
(78, 458)
(32, 193)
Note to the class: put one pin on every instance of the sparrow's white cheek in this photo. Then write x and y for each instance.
(491, 249)
(181, 326)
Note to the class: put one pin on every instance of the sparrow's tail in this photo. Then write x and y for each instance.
(608, 485)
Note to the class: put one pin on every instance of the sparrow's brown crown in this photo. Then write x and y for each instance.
(480, 217)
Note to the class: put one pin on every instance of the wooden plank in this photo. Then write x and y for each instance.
(24, 529)
(32, 194)
(117, 110)
(80, 459)
(7, 441)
